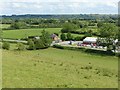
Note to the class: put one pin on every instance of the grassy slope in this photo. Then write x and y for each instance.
(57, 68)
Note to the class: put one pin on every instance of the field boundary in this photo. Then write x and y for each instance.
(86, 50)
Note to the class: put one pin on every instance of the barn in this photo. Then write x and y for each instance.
(90, 40)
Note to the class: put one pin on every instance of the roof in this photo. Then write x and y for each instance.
(53, 35)
(90, 39)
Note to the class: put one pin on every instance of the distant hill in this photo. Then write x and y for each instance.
(78, 16)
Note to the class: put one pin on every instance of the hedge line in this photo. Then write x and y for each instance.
(79, 32)
(86, 50)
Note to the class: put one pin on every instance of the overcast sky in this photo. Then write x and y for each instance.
(9, 7)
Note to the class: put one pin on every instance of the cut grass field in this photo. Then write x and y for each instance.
(23, 33)
(58, 68)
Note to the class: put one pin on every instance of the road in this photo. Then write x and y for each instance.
(10, 40)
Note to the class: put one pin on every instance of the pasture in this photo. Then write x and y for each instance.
(5, 26)
(23, 33)
(54, 68)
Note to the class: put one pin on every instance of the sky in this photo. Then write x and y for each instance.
(20, 7)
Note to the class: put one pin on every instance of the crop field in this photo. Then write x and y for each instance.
(58, 68)
(23, 33)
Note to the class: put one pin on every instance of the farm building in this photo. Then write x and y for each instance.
(55, 38)
(90, 40)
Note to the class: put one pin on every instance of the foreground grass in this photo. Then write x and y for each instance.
(23, 33)
(58, 68)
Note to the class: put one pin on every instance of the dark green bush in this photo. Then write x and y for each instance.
(31, 45)
(58, 46)
(118, 55)
(69, 36)
(63, 37)
(20, 46)
(88, 67)
(78, 38)
(6, 45)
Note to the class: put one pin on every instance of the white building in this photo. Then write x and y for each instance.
(90, 40)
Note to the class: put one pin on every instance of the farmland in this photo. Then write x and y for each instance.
(23, 33)
(39, 64)
(4, 25)
(58, 68)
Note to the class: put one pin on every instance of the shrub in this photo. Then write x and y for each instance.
(78, 38)
(105, 72)
(88, 67)
(118, 55)
(58, 46)
(20, 46)
(87, 77)
(89, 33)
(63, 37)
(6, 45)
(69, 36)
(31, 45)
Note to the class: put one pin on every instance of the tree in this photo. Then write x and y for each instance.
(44, 41)
(118, 37)
(68, 27)
(15, 26)
(6, 45)
(108, 30)
(63, 37)
(118, 34)
(99, 24)
(20, 47)
(45, 38)
(89, 33)
(83, 24)
(31, 45)
(78, 38)
(69, 36)
(91, 23)
(108, 35)
(18, 25)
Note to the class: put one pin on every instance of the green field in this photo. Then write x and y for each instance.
(55, 68)
(5, 25)
(94, 29)
(75, 35)
(58, 68)
(23, 33)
